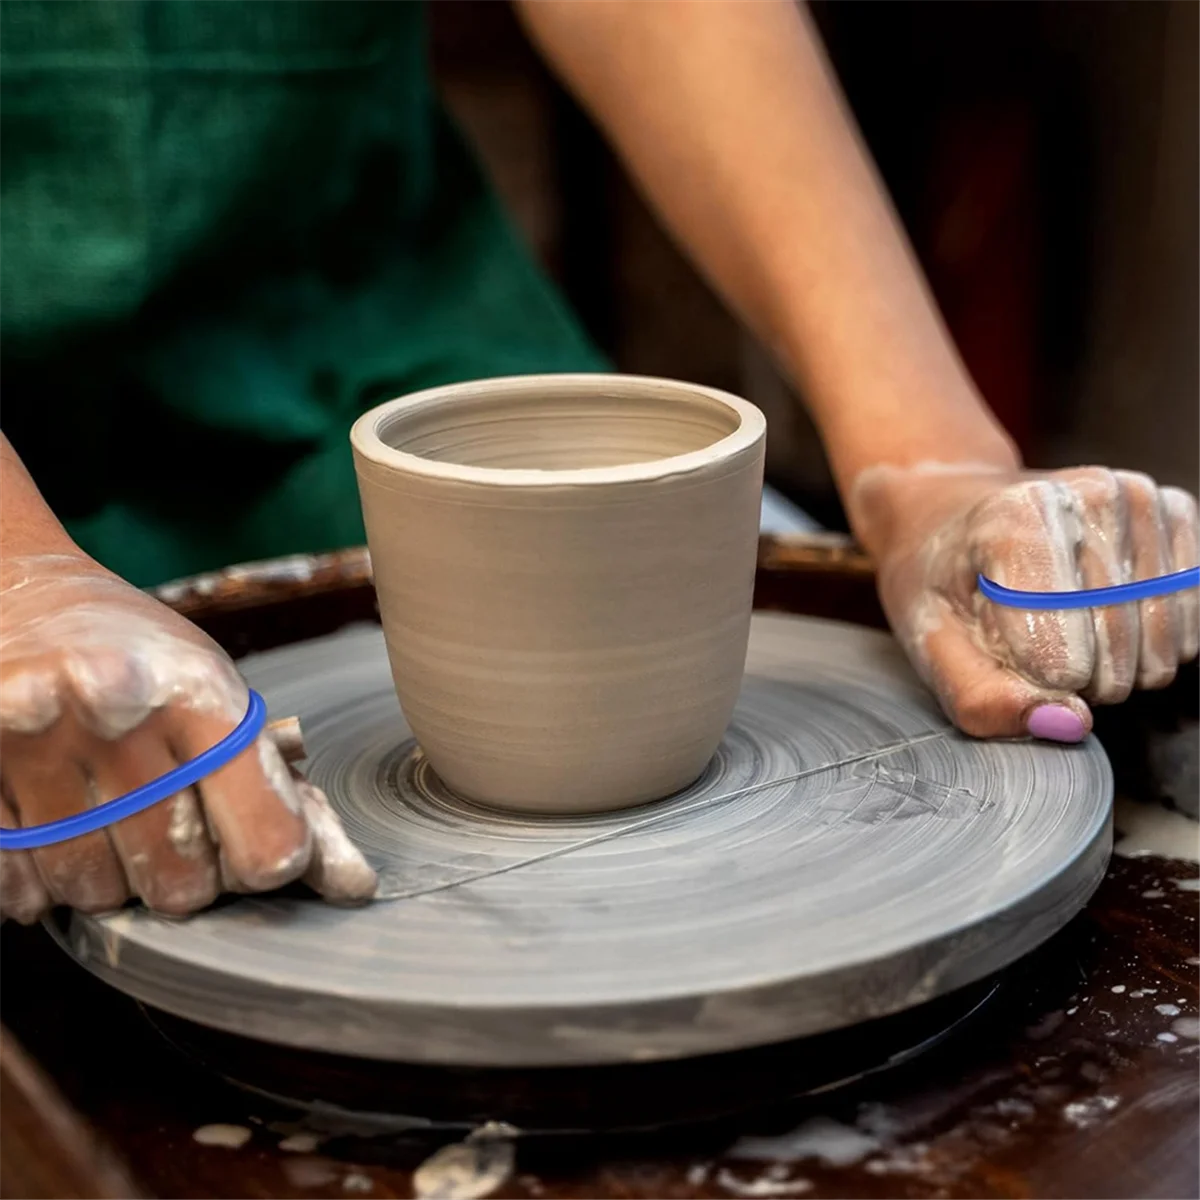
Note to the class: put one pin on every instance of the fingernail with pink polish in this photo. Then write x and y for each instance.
(1056, 723)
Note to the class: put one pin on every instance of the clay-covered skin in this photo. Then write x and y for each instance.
(565, 572)
(101, 690)
(1002, 671)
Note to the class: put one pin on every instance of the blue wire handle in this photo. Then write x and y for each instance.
(1121, 593)
(175, 780)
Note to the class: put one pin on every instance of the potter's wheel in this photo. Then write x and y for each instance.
(846, 856)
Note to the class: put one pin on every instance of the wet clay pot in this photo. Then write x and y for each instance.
(564, 565)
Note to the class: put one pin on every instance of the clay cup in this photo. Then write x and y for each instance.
(565, 567)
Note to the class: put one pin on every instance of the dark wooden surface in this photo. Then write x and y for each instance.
(1062, 1085)
(1059, 1088)
(46, 1149)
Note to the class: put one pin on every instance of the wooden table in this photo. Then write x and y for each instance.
(1079, 1078)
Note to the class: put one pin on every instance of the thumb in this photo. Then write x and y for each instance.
(986, 699)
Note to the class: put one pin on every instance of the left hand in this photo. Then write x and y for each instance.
(1005, 672)
(103, 688)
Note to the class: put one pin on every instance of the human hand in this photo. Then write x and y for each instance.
(1004, 672)
(102, 689)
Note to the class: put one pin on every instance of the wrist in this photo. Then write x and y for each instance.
(893, 451)
(891, 505)
(48, 566)
(27, 526)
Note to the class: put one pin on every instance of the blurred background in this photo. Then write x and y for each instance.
(1044, 157)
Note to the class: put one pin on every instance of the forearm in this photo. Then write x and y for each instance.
(27, 526)
(728, 115)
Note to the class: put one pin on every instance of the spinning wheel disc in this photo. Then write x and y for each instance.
(845, 856)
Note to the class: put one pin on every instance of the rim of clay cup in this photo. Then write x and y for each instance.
(364, 435)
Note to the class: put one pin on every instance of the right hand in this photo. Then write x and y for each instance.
(1007, 672)
(102, 689)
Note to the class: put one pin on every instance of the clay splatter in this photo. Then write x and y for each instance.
(1118, 988)
(229, 1137)
(1167, 1010)
(300, 1143)
(1188, 1027)
(1149, 829)
(826, 1140)
(765, 1185)
(1083, 1113)
(904, 1160)
(357, 1182)
(464, 1170)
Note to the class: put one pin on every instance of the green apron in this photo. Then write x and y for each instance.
(227, 229)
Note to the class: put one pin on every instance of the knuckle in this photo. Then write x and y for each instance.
(1155, 677)
(1137, 485)
(280, 863)
(1014, 502)
(1055, 674)
(30, 701)
(284, 870)
(22, 896)
(113, 686)
(26, 909)
(1053, 653)
(1180, 506)
(206, 681)
(1096, 487)
(94, 902)
(1061, 677)
(181, 901)
(1024, 517)
(1114, 691)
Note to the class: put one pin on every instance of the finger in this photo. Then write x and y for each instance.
(22, 896)
(168, 856)
(46, 782)
(1183, 538)
(1027, 537)
(1115, 626)
(1149, 556)
(251, 803)
(338, 870)
(986, 699)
